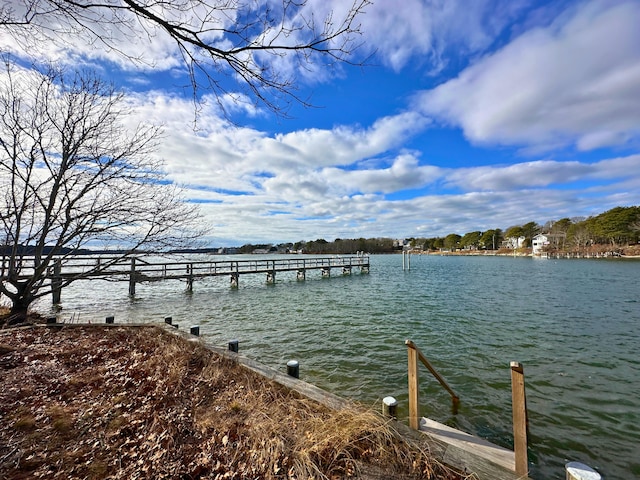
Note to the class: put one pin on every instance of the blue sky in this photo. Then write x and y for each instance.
(469, 116)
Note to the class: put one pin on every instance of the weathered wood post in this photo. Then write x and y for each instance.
(190, 277)
(271, 276)
(580, 471)
(110, 319)
(234, 346)
(293, 368)
(520, 420)
(56, 282)
(414, 406)
(390, 407)
(195, 330)
(132, 278)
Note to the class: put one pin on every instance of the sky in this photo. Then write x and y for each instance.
(466, 116)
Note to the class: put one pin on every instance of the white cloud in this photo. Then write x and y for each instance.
(577, 81)
(415, 30)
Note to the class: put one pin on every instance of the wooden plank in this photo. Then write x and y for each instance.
(519, 406)
(471, 454)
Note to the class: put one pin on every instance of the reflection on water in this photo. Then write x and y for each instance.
(573, 324)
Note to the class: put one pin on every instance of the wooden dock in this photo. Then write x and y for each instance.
(139, 270)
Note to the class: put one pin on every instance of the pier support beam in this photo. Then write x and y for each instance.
(56, 282)
(132, 278)
(190, 277)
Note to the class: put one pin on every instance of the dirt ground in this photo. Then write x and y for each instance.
(141, 403)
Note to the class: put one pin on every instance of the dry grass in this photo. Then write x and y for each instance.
(141, 403)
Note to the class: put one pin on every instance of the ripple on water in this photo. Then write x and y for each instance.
(573, 324)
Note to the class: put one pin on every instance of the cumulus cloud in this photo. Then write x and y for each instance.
(573, 82)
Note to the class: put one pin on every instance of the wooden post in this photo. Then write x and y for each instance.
(580, 471)
(56, 282)
(233, 346)
(195, 330)
(109, 319)
(414, 406)
(132, 278)
(190, 277)
(168, 320)
(519, 405)
(389, 407)
(293, 368)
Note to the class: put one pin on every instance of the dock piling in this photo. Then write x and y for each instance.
(293, 368)
(580, 471)
(132, 278)
(390, 407)
(56, 282)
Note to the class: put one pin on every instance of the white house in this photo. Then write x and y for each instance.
(513, 242)
(538, 243)
(542, 240)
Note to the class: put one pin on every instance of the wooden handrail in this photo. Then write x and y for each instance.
(414, 354)
(519, 403)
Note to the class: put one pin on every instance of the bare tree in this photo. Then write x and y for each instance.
(72, 175)
(217, 39)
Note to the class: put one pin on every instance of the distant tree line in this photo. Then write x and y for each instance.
(616, 227)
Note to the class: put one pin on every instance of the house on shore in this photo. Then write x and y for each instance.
(513, 242)
(544, 241)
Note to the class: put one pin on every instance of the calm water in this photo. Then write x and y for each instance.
(573, 324)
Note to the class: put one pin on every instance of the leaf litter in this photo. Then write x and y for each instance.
(141, 403)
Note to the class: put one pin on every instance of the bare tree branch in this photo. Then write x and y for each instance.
(73, 176)
(261, 45)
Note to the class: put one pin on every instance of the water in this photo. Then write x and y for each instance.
(573, 324)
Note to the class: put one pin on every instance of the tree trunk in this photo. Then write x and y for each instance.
(18, 312)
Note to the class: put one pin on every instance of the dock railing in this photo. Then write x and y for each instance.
(415, 354)
(518, 397)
